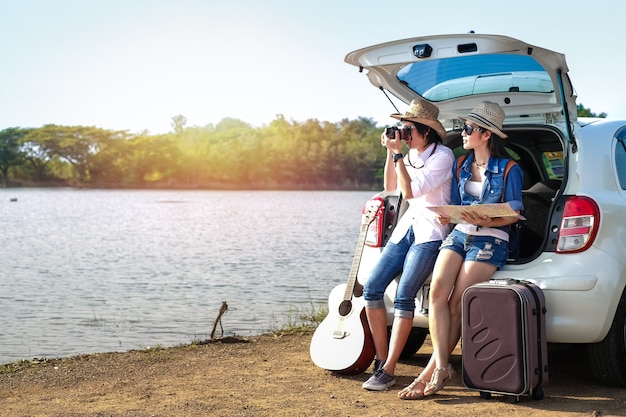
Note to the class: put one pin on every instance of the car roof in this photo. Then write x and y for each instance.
(456, 72)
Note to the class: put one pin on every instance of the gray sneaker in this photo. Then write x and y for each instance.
(380, 381)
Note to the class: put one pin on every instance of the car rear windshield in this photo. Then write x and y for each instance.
(449, 78)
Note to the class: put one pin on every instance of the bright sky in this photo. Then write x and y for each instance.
(134, 64)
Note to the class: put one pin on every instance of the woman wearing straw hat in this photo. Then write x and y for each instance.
(474, 250)
(423, 174)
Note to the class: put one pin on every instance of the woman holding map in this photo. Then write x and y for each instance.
(477, 246)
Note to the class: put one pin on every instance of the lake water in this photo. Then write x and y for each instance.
(84, 271)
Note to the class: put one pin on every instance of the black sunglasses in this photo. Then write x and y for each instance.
(468, 129)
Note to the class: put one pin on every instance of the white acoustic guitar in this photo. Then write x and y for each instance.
(343, 342)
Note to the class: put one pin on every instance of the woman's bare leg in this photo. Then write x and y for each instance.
(470, 273)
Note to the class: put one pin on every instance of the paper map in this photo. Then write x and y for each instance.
(491, 210)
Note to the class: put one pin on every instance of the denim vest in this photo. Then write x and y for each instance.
(494, 188)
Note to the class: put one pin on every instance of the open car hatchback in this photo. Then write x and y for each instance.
(574, 189)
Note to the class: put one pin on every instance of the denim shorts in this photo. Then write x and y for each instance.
(487, 249)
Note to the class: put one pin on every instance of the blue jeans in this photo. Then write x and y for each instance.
(415, 261)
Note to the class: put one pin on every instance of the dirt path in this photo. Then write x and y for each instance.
(270, 376)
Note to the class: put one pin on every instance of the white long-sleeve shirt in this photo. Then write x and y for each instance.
(431, 178)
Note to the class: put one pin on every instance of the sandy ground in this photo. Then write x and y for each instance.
(270, 375)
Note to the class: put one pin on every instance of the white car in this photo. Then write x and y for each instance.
(574, 192)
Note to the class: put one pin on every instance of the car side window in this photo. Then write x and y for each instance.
(620, 161)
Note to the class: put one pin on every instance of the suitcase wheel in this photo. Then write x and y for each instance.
(485, 395)
(538, 394)
(512, 399)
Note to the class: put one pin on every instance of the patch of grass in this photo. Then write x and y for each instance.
(95, 321)
(155, 353)
(300, 321)
(16, 366)
(154, 349)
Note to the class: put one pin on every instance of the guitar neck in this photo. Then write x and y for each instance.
(356, 261)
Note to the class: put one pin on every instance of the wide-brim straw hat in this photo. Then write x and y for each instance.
(488, 115)
(424, 112)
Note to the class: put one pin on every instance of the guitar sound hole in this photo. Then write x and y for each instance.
(345, 307)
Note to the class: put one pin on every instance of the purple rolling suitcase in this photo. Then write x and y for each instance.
(504, 348)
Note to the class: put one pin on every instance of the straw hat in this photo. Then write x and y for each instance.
(488, 115)
(424, 112)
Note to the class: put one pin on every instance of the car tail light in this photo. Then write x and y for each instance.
(373, 220)
(579, 227)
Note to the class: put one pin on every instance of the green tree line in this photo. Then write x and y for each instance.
(229, 155)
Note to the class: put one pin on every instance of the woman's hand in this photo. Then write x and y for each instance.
(471, 217)
(443, 220)
(394, 145)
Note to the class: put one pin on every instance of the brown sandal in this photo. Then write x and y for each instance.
(409, 393)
